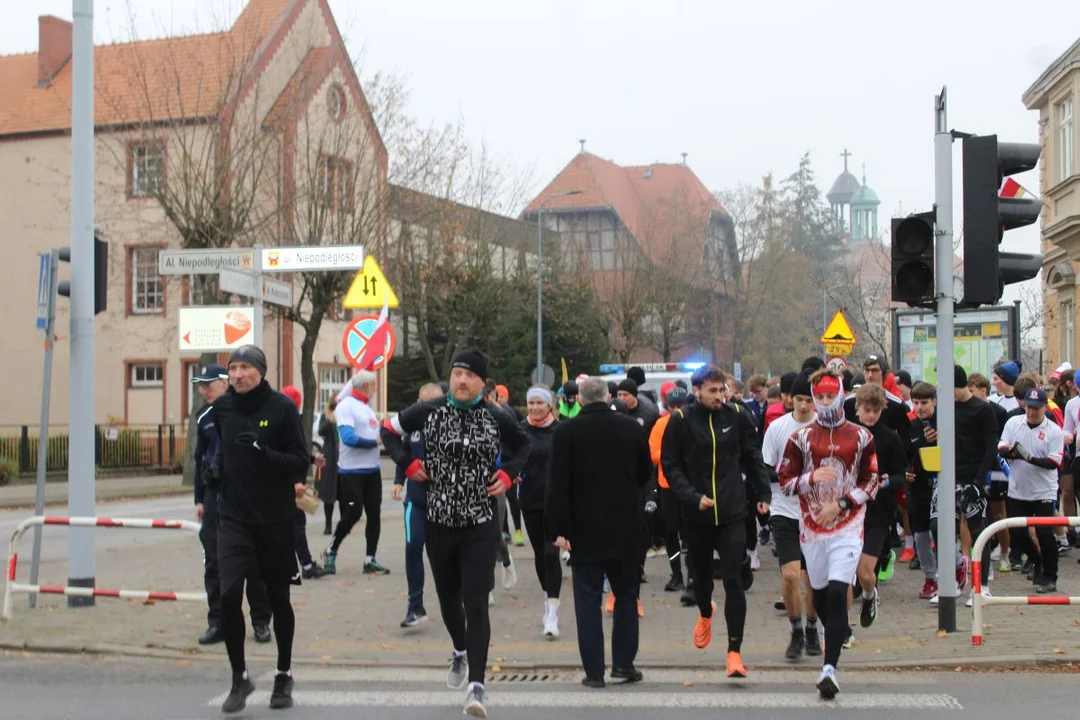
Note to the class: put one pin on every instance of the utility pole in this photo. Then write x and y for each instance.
(946, 407)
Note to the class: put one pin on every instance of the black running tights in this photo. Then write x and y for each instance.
(831, 605)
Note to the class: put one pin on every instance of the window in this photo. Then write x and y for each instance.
(147, 375)
(716, 254)
(1067, 328)
(336, 184)
(335, 103)
(331, 379)
(201, 290)
(1065, 138)
(147, 168)
(147, 286)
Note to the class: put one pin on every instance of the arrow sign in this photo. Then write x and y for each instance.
(370, 288)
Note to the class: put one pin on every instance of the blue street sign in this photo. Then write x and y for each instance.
(44, 268)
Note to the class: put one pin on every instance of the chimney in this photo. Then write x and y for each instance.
(54, 47)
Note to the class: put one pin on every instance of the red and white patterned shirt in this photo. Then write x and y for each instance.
(850, 449)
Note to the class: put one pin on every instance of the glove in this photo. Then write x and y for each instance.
(650, 507)
(248, 440)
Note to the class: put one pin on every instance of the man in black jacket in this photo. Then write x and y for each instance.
(261, 453)
(599, 463)
(462, 437)
(707, 449)
(212, 383)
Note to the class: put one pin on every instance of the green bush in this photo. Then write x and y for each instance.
(8, 470)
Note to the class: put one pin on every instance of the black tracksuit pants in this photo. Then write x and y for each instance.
(359, 493)
(625, 578)
(729, 540)
(256, 591)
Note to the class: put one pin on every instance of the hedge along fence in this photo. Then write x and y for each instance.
(128, 446)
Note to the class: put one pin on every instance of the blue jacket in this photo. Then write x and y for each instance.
(415, 492)
(206, 444)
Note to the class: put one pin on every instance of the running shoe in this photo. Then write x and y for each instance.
(886, 573)
(414, 618)
(675, 584)
(238, 694)
(735, 667)
(755, 560)
(849, 641)
(329, 561)
(1004, 564)
(459, 670)
(827, 684)
(869, 610)
(929, 589)
(519, 538)
(281, 697)
(813, 642)
(374, 568)
(795, 647)
(908, 555)
(609, 603)
(962, 572)
(703, 630)
(474, 702)
(510, 577)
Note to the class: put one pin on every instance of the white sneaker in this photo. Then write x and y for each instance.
(491, 598)
(970, 601)
(755, 560)
(995, 553)
(1004, 565)
(509, 575)
(934, 600)
(827, 684)
(551, 621)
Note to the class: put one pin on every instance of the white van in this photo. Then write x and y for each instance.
(656, 374)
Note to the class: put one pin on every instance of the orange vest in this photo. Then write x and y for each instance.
(656, 440)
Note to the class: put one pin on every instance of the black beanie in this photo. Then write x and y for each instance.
(619, 406)
(251, 355)
(612, 388)
(628, 386)
(471, 360)
(682, 384)
(786, 381)
(811, 365)
(676, 398)
(801, 385)
(570, 388)
(959, 377)
(637, 374)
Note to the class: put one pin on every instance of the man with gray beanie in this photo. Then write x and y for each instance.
(260, 454)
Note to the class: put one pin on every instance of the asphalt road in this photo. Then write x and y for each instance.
(43, 687)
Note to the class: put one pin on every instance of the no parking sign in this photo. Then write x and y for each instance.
(368, 342)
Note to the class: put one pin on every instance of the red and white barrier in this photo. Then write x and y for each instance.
(13, 560)
(978, 601)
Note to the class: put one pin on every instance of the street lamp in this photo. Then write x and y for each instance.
(540, 281)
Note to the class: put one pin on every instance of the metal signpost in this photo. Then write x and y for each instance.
(46, 320)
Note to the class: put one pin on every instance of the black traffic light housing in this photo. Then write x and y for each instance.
(987, 216)
(912, 267)
(101, 273)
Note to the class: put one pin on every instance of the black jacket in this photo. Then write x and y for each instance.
(915, 441)
(206, 445)
(328, 481)
(257, 483)
(892, 460)
(415, 492)
(895, 415)
(707, 452)
(534, 475)
(599, 462)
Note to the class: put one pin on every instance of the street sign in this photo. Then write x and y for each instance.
(370, 288)
(357, 335)
(274, 291)
(836, 363)
(43, 289)
(204, 262)
(316, 257)
(840, 349)
(838, 332)
(216, 328)
(548, 378)
(737, 371)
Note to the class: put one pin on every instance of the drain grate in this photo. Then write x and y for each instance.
(527, 677)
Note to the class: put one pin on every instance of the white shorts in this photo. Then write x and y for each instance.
(832, 558)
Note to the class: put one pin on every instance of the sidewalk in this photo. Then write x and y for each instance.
(354, 619)
(118, 488)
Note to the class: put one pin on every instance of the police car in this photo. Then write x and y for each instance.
(656, 374)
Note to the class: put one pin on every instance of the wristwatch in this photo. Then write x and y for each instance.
(844, 504)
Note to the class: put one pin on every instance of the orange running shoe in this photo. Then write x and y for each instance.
(908, 555)
(735, 667)
(609, 604)
(640, 609)
(703, 630)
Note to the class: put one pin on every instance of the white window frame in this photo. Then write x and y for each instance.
(1066, 331)
(147, 284)
(1066, 133)
(147, 375)
(147, 168)
(331, 379)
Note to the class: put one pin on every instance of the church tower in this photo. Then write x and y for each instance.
(864, 207)
(840, 195)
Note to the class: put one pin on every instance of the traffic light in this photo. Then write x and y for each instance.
(913, 259)
(101, 273)
(987, 216)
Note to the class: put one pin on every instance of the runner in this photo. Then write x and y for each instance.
(999, 480)
(784, 521)
(669, 504)
(830, 466)
(415, 522)
(707, 448)
(922, 483)
(359, 476)
(462, 438)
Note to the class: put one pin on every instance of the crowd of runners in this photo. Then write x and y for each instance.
(834, 472)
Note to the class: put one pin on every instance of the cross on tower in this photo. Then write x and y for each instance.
(582, 141)
(845, 155)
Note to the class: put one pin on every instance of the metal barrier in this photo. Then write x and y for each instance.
(13, 561)
(978, 601)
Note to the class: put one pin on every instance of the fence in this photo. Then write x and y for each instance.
(124, 446)
(978, 600)
(13, 561)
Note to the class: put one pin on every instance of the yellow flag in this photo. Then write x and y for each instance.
(565, 375)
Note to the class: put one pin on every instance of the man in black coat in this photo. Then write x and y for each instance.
(599, 463)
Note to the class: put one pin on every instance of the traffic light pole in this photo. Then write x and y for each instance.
(946, 409)
(81, 461)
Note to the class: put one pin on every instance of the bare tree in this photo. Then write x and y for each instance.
(862, 291)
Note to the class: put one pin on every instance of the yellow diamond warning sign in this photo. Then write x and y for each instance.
(838, 332)
(370, 289)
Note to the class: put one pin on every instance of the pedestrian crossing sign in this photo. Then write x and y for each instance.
(838, 332)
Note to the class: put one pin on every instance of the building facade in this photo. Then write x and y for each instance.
(1054, 96)
(246, 121)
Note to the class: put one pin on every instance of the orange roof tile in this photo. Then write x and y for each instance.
(651, 208)
(173, 78)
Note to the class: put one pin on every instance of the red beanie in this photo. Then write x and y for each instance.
(293, 394)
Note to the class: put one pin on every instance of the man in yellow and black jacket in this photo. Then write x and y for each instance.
(707, 449)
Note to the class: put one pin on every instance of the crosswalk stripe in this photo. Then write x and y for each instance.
(665, 700)
(311, 675)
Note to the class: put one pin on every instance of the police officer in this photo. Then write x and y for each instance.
(211, 384)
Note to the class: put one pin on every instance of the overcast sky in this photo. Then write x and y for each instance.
(744, 88)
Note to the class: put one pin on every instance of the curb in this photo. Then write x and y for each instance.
(922, 664)
(105, 496)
